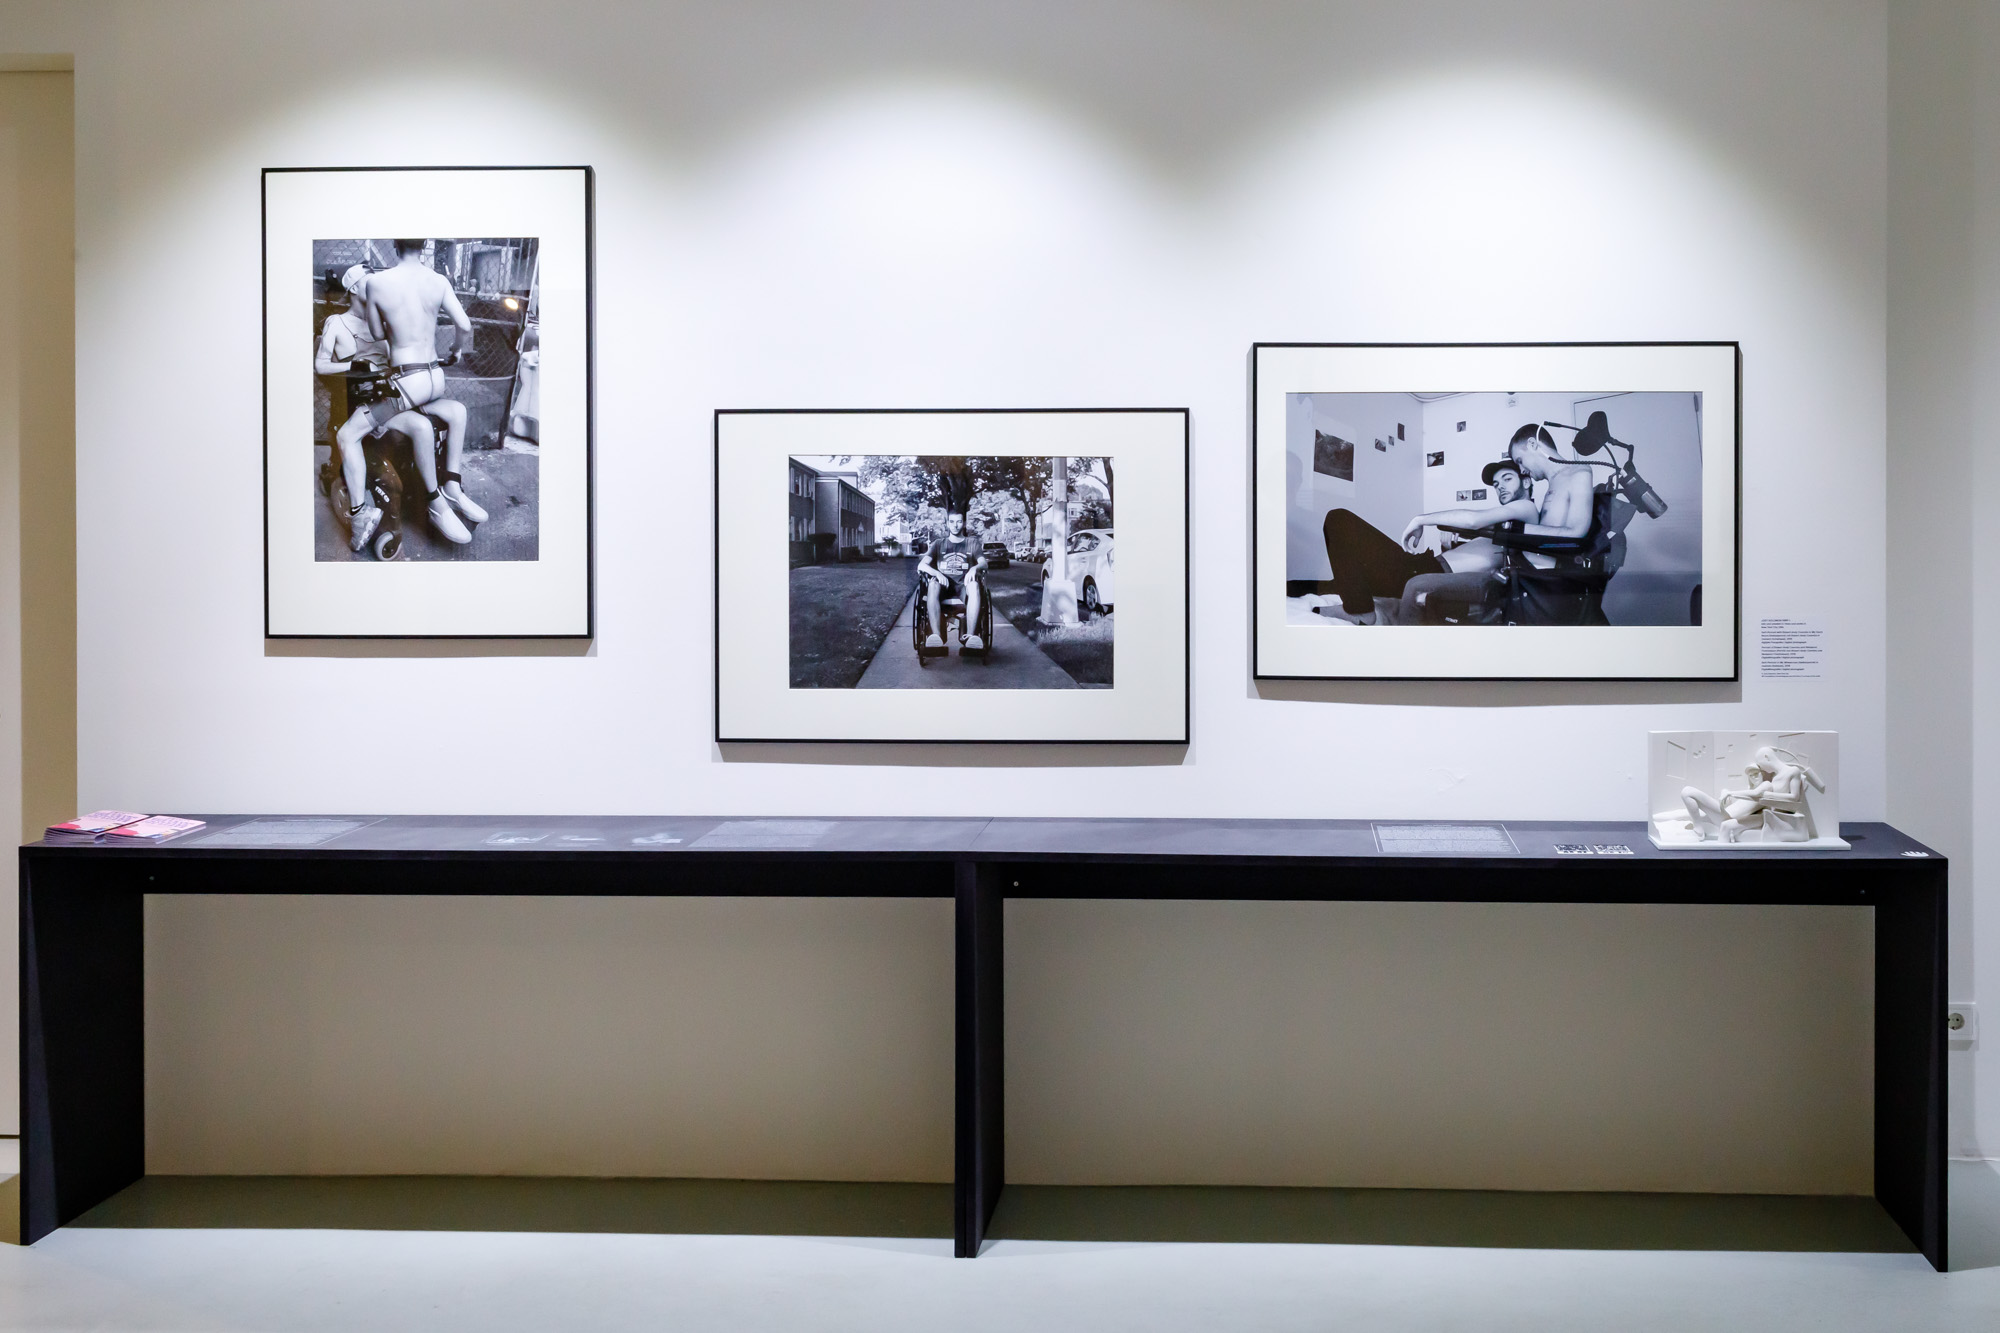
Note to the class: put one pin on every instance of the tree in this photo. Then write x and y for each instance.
(1025, 479)
(1092, 511)
(905, 492)
(1090, 491)
(956, 480)
(916, 492)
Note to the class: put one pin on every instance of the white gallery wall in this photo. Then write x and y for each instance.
(1944, 336)
(930, 204)
(967, 205)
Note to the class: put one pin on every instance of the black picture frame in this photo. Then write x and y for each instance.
(1170, 726)
(1283, 648)
(573, 583)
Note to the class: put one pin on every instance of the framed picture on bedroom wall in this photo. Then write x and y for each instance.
(952, 576)
(1480, 511)
(427, 402)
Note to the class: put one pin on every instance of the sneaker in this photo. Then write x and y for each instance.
(361, 526)
(446, 522)
(935, 641)
(973, 644)
(463, 502)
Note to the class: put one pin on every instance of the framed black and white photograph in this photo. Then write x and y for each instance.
(427, 402)
(1549, 511)
(953, 576)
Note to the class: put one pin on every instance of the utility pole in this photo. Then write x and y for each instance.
(1058, 598)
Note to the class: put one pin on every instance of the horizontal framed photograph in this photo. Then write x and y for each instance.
(1485, 511)
(952, 576)
(427, 402)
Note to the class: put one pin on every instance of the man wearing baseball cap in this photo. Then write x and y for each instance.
(347, 344)
(1493, 472)
(1470, 566)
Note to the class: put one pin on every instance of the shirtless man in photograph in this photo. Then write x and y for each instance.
(1568, 505)
(403, 306)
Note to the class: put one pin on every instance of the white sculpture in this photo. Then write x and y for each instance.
(1772, 789)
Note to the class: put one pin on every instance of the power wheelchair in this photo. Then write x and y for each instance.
(1521, 593)
(1572, 591)
(390, 461)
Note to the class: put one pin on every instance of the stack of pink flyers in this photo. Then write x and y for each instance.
(101, 825)
(156, 829)
(96, 822)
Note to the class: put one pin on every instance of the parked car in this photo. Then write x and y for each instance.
(1090, 559)
(996, 555)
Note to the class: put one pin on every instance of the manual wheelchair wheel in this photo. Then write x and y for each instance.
(920, 629)
(388, 545)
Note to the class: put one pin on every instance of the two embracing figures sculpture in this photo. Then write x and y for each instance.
(1775, 802)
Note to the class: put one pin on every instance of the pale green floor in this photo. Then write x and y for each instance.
(527, 1203)
(1485, 1219)
(1480, 1218)
(1488, 1219)
(280, 1255)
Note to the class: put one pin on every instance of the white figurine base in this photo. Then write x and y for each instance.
(1774, 791)
(1673, 830)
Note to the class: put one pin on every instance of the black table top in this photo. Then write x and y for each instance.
(1331, 841)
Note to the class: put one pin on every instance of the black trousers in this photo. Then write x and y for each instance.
(1367, 564)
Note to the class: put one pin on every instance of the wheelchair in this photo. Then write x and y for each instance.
(1572, 592)
(1521, 593)
(391, 472)
(951, 610)
(391, 462)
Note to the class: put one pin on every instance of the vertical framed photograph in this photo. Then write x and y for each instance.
(427, 402)
(956, 576)
(1482, 511)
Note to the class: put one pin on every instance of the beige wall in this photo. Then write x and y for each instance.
(1471, 1046)
(37, 486)
(1487, 1046)
(734, 1037)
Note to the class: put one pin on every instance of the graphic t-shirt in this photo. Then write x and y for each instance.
(955, 555)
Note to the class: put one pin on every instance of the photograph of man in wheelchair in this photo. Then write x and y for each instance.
(425, 353)
(1542, 535)
(932, 571)
(954, 573)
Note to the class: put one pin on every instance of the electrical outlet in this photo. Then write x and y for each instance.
(1961, 1022)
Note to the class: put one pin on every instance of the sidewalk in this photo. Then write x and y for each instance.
(1017, 664)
